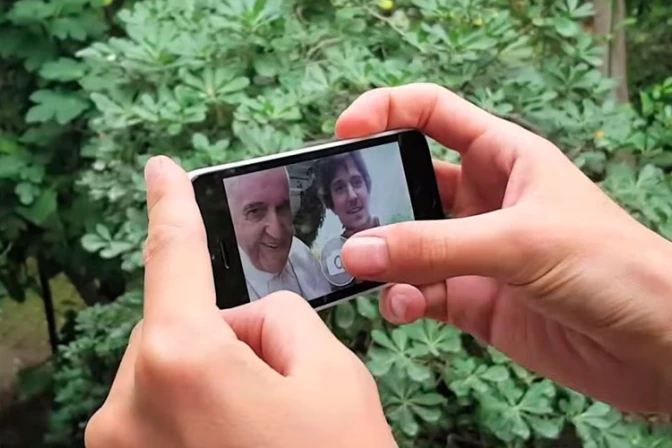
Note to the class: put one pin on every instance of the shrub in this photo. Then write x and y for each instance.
(209, 81)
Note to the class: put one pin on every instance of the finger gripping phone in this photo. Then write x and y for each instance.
(279, 223)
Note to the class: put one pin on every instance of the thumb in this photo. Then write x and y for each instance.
(424, 252)
(286, 333)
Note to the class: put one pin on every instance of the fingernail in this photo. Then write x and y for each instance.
(154, 168)
(367, 256)
(398, 306)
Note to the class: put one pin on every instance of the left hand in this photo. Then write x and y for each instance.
(269, 374)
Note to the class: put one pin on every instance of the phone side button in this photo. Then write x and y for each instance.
(222, 252)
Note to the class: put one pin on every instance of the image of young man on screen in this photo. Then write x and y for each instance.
(345, 188)
(273, 258)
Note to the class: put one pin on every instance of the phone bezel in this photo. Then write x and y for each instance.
(228, 274)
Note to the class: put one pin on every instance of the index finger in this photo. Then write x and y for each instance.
(437, 112)
(179, 284)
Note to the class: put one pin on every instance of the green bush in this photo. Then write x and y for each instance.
(209, 81)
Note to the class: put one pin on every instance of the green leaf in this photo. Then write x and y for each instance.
(93, 242)
(381, 338)
(55, 105)
(345, 315)
(537, 398)
(408, 423)
(379, 365)
(199, 141)
(41, 209)
(367, 308)
(26, 192)
(497, 356)
(116, 248)
(520, 427)
(496, 374)
(234, 85)
(400, 338)
(11, 166)
(546, 427)
(63, 69)
(566, 27)
(266, 66)
(418, 372)
(433, 337)
(647, 103)
(104, 232)
(431, 415)
(429, 399)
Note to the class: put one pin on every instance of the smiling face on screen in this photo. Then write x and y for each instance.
(262, 217)
(350, 196)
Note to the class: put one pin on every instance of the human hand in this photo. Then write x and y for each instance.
(539, 262)
(268, 374)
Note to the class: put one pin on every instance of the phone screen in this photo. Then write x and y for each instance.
(280, 224)
(291, 221)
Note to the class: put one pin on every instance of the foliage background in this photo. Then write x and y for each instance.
(91, 88)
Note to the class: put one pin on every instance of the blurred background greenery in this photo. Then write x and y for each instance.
(89, 89)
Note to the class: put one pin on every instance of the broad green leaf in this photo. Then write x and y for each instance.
(496, 374)
(381, 338)
(199, 141)
(520, 427)
(345, 315)
(546, 427)
(418, 372)
(400, 338)
(63, 69)
(574, 404)
(116, 248)
(104, 232)
(429, 399)
(93, 242)
(379, 365)
(105, 104)
(497, 356)
(266, 66)
(408, 423)
(598, 410)
(367, 308)
(9, 145)
(41, 209)
(11, 166)
(433, 337)
(31, 11)
(26, 192)
(55, 105)
(537, 398)
(234, 85)
(431, 415)
(566, 27)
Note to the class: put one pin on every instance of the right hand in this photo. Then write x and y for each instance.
(538, 262)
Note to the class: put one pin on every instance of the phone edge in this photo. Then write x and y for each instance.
(194, 174)
(348, 298)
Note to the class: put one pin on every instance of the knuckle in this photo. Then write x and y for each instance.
(174, 362)
(161, 360)
(136, 332)
(285, 300)
(102, 430)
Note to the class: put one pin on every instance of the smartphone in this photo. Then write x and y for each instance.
(279, 222)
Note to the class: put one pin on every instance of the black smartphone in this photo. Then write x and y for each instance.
(279, 222)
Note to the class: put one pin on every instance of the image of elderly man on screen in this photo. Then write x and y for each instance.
(273, 258)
